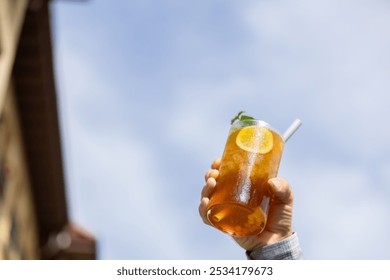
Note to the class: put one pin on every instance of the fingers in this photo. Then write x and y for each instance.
(280, 191)
(211, 173)
(208, 188)
(211, 180)
(216, 163)
(203, 209)
(204, 201)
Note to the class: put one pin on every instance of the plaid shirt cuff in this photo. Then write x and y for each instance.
(286, 249)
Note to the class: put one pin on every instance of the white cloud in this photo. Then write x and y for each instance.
(333, 57)
(115, 188)
(121, 194)
(340, 210)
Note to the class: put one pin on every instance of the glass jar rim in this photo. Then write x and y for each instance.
(261, 123)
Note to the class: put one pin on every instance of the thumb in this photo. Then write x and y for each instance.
(280, 191)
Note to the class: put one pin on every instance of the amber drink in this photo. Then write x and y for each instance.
(239, 203)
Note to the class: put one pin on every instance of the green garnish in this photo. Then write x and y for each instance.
(241, 117)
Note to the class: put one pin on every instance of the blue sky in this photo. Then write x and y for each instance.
(146, 92)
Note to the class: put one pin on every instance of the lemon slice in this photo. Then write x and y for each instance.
(255, 139)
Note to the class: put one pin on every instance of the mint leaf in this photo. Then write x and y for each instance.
(244, 117)
(241, 117)
(237, 117)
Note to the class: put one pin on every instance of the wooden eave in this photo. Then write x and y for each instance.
(37, 104)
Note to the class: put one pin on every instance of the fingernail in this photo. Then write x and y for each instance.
(211, 182)
(277, 183)
(214, 173)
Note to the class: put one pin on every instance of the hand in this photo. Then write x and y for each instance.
(279, 223)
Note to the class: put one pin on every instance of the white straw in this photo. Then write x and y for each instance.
(291, 129)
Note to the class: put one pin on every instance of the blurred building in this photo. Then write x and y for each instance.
(34, 222)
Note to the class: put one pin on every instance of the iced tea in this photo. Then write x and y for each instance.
(239, 203)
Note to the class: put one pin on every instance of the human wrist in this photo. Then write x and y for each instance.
(285, 249)
(270, 239)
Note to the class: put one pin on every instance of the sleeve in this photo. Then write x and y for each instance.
(286, 249)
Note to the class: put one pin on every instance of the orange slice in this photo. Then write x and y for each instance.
(255, 139)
